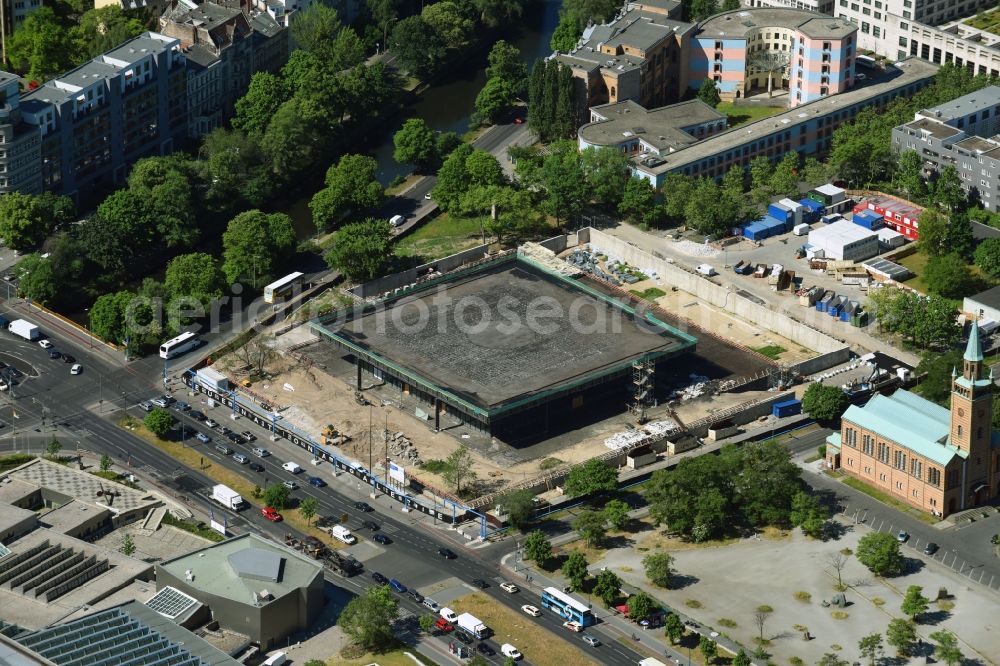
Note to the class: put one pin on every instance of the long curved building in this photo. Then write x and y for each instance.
(806, 54)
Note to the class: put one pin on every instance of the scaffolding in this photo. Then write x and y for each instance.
(643, 383)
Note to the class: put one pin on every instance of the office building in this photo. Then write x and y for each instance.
(961, 133)
(811, 55)
(937, 460)
(21, 152)
(634, 130)
(821, 6)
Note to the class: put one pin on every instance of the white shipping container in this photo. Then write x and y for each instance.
(213, 379)
(800, 229)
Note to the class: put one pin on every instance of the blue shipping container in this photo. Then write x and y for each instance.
(779, 212)
(869, 220)
(774, 226)
(754, 231)
(811, 210)
(822, 303)
(786, 408)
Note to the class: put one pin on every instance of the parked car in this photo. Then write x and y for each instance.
(53, 354)
(256, 467)
(531, 610)
(75, 369)
(362, 506)
(416, 596)
(465, 637)
(430, 603)
(234, 438)
(202, 437)
(197, 416)
(271, 514)
(163, 401)
(211, 423)
(291, 485)
(930, 548)
(223, 449)
(291, 467)
(448, 614)
(370, 525)
(510, 588)
(68, 358)
(483, 648)
(590, 640)
(316, 482)
(249, 436)
(182, 407)
(397, 586)
(903, 536)
(379, 578)
(261, 453)
(443, 625)
(447, 553)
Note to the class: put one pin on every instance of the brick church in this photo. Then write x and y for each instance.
(938, 460)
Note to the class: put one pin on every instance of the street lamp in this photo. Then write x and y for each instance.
(385, 27)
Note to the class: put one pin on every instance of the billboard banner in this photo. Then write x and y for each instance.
(397, 473)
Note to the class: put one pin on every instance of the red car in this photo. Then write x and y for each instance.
(519, 120)
(444, 625)
(270, 514)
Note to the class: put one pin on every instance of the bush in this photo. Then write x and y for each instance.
(803, 596)
(434, 466)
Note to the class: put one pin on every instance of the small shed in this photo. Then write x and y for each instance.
(640, 457)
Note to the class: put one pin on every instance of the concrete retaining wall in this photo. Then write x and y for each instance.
(822, 362)
(810, 333)
(407, 277)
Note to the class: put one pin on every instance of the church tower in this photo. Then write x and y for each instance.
(972, 417)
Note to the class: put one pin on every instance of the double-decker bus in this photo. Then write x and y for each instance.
(567, 606)
(176, 346)
(283, 287)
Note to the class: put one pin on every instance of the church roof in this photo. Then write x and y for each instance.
(911, 421)
(973, 350)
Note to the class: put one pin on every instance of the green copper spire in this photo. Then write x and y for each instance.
(974, 350)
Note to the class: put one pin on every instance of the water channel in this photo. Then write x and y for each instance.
(448, 105)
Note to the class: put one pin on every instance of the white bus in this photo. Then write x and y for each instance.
(177, 346)
(282, 287)
(866, 61)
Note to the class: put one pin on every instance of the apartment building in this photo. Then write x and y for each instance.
(640, 55)
(806, 129)
(821, 6)
(962, 133)
(97, 120)
(937, 460)
(223, 46)
(873, 17)
(20, 143)
(813, 54)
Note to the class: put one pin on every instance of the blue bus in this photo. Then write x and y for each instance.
(567, 607)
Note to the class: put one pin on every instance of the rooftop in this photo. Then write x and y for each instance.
(637, 29)
(979, 100)
(127, 634)
(11, 516)
(935, 128)
(990, 298)
(740, 23)
(666, 6)
(662, 128)
(830, 190)
(841, 231)
(68, 517)
(207, 16)
(909, 420)
(248, 569)
(977, 144)
(502, 334)
(903, 73)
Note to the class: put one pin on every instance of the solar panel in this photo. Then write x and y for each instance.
(171, 602)
(4, 551)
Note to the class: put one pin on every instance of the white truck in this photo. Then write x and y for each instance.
(24, 329)
(473, 625)
(227, 497)
(342, 533)
(649, 661)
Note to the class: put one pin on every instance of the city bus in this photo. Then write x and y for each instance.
(282, 288)
(176, 346)
(566, 606)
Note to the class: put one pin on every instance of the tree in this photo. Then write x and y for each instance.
(959, 238)
(361, 250)
(815, 173)
(426, 624)
(101, 29)
(414, 144)
(741, 658)
(255, 244)
(564, 182)
(638, 203)
(659, 568)
(760, 617)
(824, 403)
(837, 562)
(494, 100)
(307, 509)
(351, 185)
(23, 223)
(537, 548)
(418, 46)
(616, 513)
(949, 276)
(262, 99)
(880, 553)
(785, 181)
(607, 171)
(591, 477)
(909, 175)
(575, 569)
(870, 647)
(493, 13)
(808, 514)
(709, 649)
(987, 257)
(449, 22)
(728, 6)
(901, 635)
(640, 606)
(106, 463)
(761, 179)
(40, 47)
(316, 27)
(458, 468)
(592, 527)
(368, 618)
(933, 232)
(159, 421)
(519, 507)
(712, 211)
(505, 63)
(53, 448)
(947, 649)
(937, 369)
(914, 603)
(566, 34)
(947, 193)
(831, 659)
(607, 586)
(709, 93)
(674, 628)
(702, 9)
(276, 496)
(196, 276)
(771, 62)
(127, 546)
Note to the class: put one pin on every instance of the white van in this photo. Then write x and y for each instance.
(276, 659)
(294, 468)
(343, 534)
(706, 269)
(509, 650)
(396, 221)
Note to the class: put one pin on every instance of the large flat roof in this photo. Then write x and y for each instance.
(904, 73)
(662, 128)
(984, 98)
(740, 23)
(502, 333)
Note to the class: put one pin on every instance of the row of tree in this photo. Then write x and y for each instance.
(552, 102)
(506, 81)
(926, 321)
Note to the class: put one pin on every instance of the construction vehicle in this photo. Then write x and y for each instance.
(345, 565)
(361, 399)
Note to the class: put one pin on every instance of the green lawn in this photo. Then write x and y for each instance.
(989, 21)
(916, 263)
(440, 237)
(773, 352)
(740, 115)
(887, 499)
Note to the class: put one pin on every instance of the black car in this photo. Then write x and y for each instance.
(930, 548)
(182, 406)
(480, 583)
(370, 525)
(234, 438)
(226, 432)
(379, 578)
(53, 354)
(68, 358)
(483, 648)
(464, 637)
(257, 467)
(416, 596)
(197, 416)
(447, 553)
(363, 506)
(382, 539)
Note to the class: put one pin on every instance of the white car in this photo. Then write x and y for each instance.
(510, 588)
(509, 650)
(590, 640)
(291, 467)
(448, 614)
(4, 385)
(531, 610)
(76, 369)
(315, 462)
(45, 344)
(573, 626)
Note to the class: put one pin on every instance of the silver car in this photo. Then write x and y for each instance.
(590, 640)
(433, 605)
